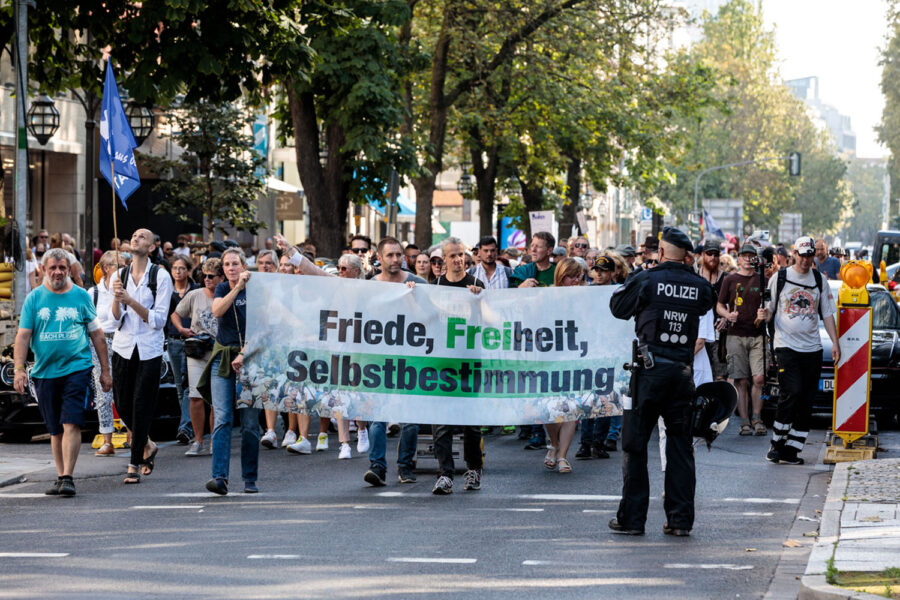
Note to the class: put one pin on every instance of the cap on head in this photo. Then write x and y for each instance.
(805, 246)
(678, 238)
(604, 263)
(651, 242)
(438, 253)
(748, 249)
(712, 245)
(625, 250)
(560, 251)
(780, 251)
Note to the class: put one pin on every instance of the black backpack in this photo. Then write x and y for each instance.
(125, 272)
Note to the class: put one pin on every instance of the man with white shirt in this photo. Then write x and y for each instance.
(140, 310)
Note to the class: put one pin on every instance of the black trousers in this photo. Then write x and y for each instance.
(443, 447)
(798, 381)
(135, 388)
(666, 390)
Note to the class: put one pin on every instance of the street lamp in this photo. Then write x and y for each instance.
(43, 118)
(464, 186)
(43, 122)
(141, 119)
(587, 199)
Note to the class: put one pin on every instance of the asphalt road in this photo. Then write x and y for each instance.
(317, 530)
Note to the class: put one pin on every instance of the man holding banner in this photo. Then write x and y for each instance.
(666, 302)
(456, 276)
(390, 255)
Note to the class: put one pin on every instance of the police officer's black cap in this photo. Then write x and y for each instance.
(230, 244)
(678, 238)
(217, 246)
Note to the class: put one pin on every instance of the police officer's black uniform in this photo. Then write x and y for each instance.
(667, 302)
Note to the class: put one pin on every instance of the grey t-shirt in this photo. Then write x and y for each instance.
(198, 306)
(797, 314)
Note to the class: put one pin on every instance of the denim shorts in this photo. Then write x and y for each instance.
(64, 399)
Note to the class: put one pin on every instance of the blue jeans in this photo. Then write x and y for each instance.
(406, 449)
(175, 347)
(608, 428)
(225, 391)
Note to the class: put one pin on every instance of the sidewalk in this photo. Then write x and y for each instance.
(860, 526)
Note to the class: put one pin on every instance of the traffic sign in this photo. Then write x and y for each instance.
(646, 214)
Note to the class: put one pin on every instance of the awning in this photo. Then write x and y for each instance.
(277, 185)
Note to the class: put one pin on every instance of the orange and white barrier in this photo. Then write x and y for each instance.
(852, 375)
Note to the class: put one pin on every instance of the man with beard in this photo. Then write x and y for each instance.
(709, 269)
(57, 319)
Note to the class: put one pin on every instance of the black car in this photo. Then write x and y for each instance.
(20, 418)
(884, 401)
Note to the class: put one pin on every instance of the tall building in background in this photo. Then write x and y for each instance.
(807, 89)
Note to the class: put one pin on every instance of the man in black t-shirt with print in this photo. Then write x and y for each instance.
(455, 258)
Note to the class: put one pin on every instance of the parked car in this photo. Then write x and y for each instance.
(884, 400)
(20, 418)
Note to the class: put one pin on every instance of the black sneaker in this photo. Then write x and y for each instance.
(375, 477)
(536, 443)
(619, 528)
(523, 434)
(598, 451)
(217, 486)
(66, 487)
(790, 458)
(54, 489)
(610, 445)
(676, 531)
(584, 452)
(773, 455)
(443, 486)
(182, 437)
(406, 476)
(473, 480)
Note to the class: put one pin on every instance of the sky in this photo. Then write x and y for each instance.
(839, 41)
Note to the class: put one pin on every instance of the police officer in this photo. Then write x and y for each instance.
(667, 302)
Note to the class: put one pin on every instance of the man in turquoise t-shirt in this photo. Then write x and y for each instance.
(56, 320)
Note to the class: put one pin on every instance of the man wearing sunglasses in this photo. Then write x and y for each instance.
(579, 247)
(708, 268)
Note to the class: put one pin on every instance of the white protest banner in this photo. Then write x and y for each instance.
(541, 220)
(384, 352)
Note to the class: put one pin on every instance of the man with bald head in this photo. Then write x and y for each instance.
(667, 302)
(140, 311)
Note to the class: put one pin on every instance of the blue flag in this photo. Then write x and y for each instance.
(117, 142)
(712, 228)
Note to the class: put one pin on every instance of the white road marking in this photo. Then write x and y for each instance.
(573, 497)
(33, 554)
(757, 514)
(601, 511)
(763, 500)
(20, 495)
(274, 556)
(391, 494)
(725, 566)
(190, 495)
(444, 561)
(535, 563)
(516, 509)
(167, 506)
(375, 506)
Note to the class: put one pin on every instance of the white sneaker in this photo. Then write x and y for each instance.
(352, 426)
(301, 447)
(362, 441)
(322, 444)
(195, 449)
(289, 438)
(270, 440)
(345, 451)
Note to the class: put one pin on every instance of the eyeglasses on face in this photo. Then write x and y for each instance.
(210, 275)
(359, 250)
(437, 261)
(343, 268)
(582, 246)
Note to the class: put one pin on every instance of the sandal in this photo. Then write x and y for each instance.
(106, 449)
(148, 465)
(564, 466)
(550, 459)
(759, 428)
(132, 477)
(745, 429)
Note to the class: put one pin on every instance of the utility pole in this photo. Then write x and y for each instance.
(21, 54)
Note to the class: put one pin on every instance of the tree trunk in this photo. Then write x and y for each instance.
(533, 198)
(486, 183)
(424, 187)
(573, 194)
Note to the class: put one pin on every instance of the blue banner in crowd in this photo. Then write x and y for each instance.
(117, 143)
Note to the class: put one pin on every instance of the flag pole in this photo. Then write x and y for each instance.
(112, 168)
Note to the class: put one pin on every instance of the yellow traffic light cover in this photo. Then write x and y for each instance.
(856, 274)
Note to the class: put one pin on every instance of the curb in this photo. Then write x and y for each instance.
(12, 479)
(814, 584)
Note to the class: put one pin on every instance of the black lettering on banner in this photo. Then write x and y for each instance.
(415, 335)
(406, 376)
(531, 379)
(325, 323)
(605, 380)
(296, 360)
(372, 376)
(350, 373)
(318, 372)
(448, 380)
(372, 332)
(428, 379)
(493, 382)
(543, 339)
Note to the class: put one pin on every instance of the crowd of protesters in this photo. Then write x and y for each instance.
(147, 297)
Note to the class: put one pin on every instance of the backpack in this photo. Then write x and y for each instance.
(782, 279)
(125, 272)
